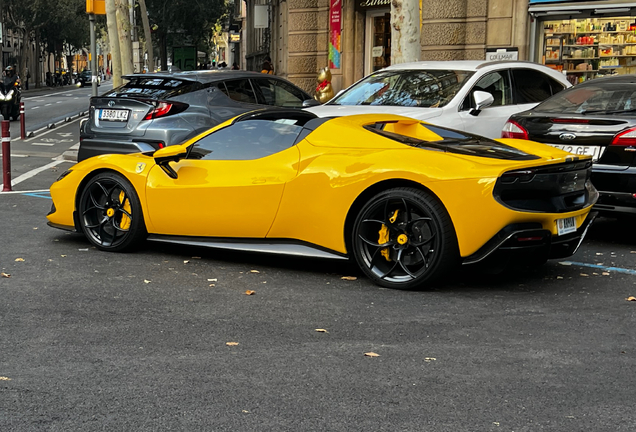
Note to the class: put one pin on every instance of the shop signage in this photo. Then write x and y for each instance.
(335, 32)
(363, 5)
(496, 54)
(235, 37)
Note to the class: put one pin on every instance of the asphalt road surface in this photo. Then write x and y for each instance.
(96, 341)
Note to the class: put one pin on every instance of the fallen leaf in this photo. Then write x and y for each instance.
(631, 298)
(196, 257)
(83, 250)
(264, 281)
(559, 277)
(5, 378)
(212, 280)
(63, 256)
(212, 285)
(254, 271)
(186, 261)
(371, 354)
(5, 275)
(584, 274)
(231, 343)
(632, 251)
(349, 278)
(598, 253)
(250, 292)
(566, 263)
(429, 359)
(35, 228)
(146, 281)
(245, 411)
(19, 259)
(606, 274)
(322, 331)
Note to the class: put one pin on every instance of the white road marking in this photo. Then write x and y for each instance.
(35, 107)
(51, 130)
(58, 102)
(43, 144)
(34, 172)
(48, 104)
(21, 192)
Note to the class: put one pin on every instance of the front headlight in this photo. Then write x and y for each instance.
(3, 97)
(9, 95)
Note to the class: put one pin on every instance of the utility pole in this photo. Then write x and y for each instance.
(94, 7)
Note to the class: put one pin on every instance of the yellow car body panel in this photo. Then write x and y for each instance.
(307, 191)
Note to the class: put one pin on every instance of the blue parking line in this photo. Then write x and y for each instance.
(46, 195)
(600, 267)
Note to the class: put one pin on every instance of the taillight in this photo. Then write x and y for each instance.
(569, 121)
(162, 109)
(512, 129)
(626, 138)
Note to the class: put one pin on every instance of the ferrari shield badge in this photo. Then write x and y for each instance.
(140, 167)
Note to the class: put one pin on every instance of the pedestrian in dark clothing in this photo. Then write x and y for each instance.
(268, 68)
(235, 66)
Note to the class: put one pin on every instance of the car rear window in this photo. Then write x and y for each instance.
(156, 88)
(594, 98)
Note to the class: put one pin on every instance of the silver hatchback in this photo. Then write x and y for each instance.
(151, 111)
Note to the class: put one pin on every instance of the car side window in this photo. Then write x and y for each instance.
(241, 90)
(278, 93)
(532, 86)
(247, 140)
(495, 83)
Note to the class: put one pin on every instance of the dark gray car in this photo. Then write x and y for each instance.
(152, 111)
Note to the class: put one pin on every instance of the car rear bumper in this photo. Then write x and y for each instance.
(90, 147)
(617, 190)
(530, 242)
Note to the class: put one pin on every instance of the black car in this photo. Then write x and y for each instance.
(151, 111)
(85, 78)
(596, 118)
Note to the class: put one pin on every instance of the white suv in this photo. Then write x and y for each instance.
(475, 96)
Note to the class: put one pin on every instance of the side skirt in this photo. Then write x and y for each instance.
(272, 246)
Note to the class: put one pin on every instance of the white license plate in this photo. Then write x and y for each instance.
(566, 226)
(113, 115)
(595, 151)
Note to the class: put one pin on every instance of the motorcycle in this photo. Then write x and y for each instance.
(10, 98)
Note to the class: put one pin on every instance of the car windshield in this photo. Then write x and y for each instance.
(410, 88)
(595, 98)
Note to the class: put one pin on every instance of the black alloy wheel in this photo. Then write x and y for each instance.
(404, 238)
(110, 213)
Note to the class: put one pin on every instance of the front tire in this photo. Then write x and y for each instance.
(110, 213)
(403, 238)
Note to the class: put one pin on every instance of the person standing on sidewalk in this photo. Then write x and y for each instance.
(27, 75)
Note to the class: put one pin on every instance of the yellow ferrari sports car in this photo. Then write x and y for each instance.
(408, 201)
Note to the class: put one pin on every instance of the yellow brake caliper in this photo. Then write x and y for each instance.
(125, 220)
(384, 236)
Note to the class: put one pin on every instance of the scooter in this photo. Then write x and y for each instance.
(10, 98)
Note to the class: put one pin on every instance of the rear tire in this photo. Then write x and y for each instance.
(110, 214)
(403, 238)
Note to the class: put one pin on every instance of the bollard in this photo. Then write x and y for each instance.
(22, 122)
(6, 156)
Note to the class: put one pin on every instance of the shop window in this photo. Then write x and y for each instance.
(381, 41)
(533, 86)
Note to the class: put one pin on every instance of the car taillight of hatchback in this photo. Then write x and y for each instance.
(164, 109)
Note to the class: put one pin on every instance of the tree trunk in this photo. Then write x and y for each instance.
(163, 46)
(125, 42)
(405, 31)
(113, 41)
(21, 72)
(148, 35)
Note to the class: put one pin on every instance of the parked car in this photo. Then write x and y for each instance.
(596, 118)
(152, 111)
(85, 78)
(407, 200)
(475, 96)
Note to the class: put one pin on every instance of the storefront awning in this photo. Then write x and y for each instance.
(614, 6)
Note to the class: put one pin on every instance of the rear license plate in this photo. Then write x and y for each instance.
(595, 151)
(566, 226)
(113, 115)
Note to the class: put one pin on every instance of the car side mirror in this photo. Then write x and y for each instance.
(164, 156)
(482, 100)
(310, 103)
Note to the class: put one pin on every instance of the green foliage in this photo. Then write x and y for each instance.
(192, 18)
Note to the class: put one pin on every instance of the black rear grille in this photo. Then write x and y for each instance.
(548, 189)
